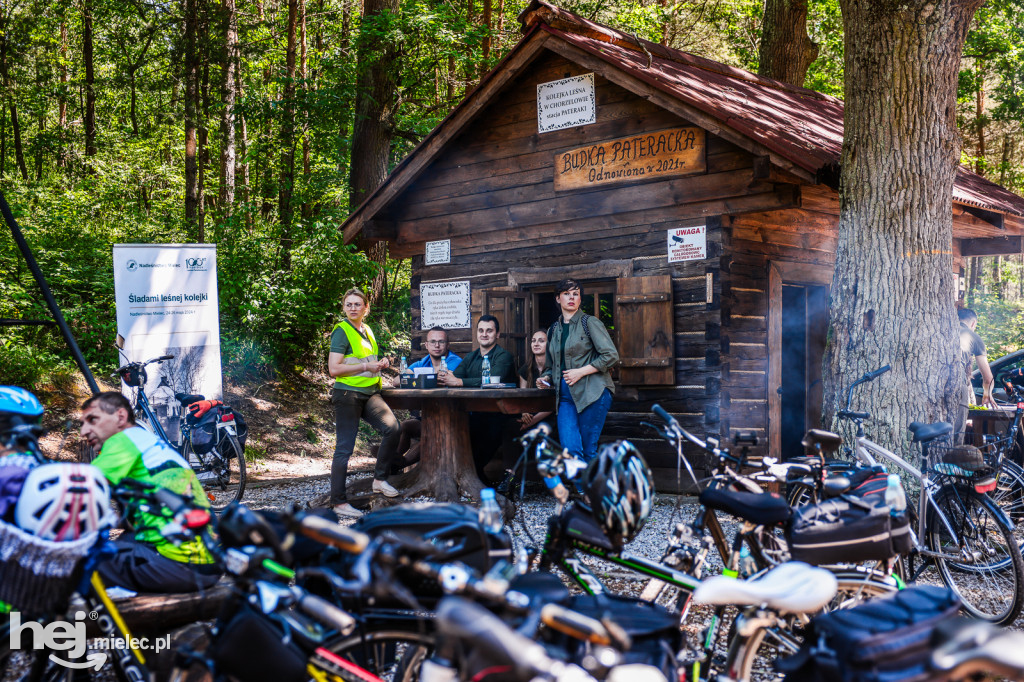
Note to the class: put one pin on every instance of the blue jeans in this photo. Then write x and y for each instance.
(580, 431)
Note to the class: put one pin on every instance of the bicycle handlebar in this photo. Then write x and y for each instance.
(322, 530)
(574, 624)
(326, 613)
(498, 643)
(868, 376)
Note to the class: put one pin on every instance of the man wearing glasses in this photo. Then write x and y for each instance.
(437, 351)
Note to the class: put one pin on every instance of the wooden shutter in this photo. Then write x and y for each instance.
(512, 308)
(643, 317)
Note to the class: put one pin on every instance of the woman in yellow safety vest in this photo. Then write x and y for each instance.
(356, 370)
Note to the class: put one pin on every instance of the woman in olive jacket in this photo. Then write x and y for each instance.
(580, 354)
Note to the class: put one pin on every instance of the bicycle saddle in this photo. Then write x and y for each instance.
(187, 399)
(541, 587)
(792, 587)
(760, 508)
(926, 432)
(826, 439)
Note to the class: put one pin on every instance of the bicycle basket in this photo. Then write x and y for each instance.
(132, 375)
(963, 461)
(38, 576)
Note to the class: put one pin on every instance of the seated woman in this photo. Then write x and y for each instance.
(530, 372)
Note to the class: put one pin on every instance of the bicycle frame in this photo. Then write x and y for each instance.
(867, 450)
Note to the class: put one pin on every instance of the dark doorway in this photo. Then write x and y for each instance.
(804, 323)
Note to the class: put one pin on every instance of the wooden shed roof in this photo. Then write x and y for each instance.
(798, 129)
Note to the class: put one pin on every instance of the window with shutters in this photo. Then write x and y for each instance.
(643, 313)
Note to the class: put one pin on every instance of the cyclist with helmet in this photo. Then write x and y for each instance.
(148, 562)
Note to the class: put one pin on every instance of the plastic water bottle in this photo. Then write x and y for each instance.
(490, 512)
(485, 372)
(404, 366)
(748, 566)
(895, 497)
(443, 368)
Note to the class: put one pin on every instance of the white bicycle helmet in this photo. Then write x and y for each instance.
(64, 502)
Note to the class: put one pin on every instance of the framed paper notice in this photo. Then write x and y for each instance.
(687, 243)
(445, 305)
(438, 252)
(566, 103)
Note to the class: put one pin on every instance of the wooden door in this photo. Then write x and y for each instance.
(797, 327)
(512, 308)
(644, 319)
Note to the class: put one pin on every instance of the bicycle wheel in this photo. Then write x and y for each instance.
(1009, 495)
(393, 655)
(221, 471)
(988, 574)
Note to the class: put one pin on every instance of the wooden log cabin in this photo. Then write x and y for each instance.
(697, 203)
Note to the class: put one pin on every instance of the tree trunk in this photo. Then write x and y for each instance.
(191, 63)
(979, 120)
(3, 141)
(243, 144)
(485, 47)
(227, 116)
(894, 289)
(90, 80)
(287, 178)
(376, 85)
(973, 279)
(304, 76)
(786, 51)
(19, 153)
(133, 108)
(62, 98)
(997, 277)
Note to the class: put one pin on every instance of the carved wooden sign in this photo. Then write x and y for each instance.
(679, 151)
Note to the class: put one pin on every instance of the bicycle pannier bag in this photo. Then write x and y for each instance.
(846, 529)
(883, 640)
(251, 648)
(204, 432)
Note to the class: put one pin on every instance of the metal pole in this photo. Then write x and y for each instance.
(65, 331)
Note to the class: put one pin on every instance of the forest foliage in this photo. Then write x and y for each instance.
(232, 122)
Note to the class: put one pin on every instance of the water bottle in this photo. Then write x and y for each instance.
(485, 372)
(895, 497)
(443, 368)
(748, 566)
(490, 512)
(404, 366)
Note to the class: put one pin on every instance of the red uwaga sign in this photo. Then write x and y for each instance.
(679, 151)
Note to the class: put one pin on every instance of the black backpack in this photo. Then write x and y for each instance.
(883, 640)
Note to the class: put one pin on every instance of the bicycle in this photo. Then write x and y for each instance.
(959, 528)
(219, 467)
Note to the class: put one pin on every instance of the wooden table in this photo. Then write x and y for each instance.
(446, 468)
(991, 422)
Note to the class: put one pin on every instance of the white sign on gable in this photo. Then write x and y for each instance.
(445, 305)
(566, 103)
(438, 252)
(687, 243)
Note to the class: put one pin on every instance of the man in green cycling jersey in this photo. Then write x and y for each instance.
(148, 562)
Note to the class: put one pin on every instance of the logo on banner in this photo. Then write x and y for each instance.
(193, 264)
(132, 266)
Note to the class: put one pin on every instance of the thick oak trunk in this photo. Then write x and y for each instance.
(785, 52)
(376, 84)
(893, 293)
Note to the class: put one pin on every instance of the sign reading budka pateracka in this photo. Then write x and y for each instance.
(679, 151)
(566, 103)
(444, 304)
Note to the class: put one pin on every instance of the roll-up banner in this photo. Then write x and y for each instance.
(166, 297)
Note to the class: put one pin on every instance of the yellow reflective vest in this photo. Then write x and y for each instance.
(363, 350)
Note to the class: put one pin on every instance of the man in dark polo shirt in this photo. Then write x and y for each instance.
(486, 429)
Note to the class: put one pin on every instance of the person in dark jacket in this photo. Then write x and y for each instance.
(487, 430)
(579, 356)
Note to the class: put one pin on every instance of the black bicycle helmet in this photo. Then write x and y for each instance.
(620, 489)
